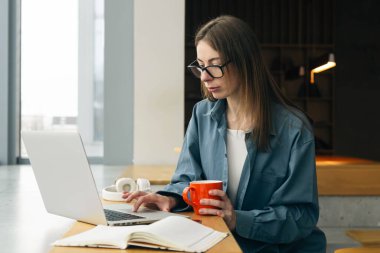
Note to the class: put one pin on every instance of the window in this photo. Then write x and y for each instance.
(62, 45)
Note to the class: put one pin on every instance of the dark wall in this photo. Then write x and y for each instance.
(357, 50)
(357, 110)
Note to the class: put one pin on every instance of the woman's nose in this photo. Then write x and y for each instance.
(205, 76)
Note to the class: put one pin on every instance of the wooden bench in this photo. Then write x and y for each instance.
(358, 250)
(156, 174)
(367, 238)
(346, 176)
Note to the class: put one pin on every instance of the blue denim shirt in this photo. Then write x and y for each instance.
(277, 200)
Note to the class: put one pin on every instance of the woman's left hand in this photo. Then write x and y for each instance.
(226, 210)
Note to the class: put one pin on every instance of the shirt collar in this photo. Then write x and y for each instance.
(219, 109)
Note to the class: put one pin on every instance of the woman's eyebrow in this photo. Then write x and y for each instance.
(210, 60)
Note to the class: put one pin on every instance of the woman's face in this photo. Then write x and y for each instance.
(227, 86)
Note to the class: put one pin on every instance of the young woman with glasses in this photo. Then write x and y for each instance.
(247, 134)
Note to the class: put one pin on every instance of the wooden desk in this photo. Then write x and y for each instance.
(228, 244)
(343, 176)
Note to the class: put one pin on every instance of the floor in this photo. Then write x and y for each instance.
(25, 224)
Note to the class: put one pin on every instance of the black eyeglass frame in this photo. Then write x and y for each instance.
(195, 64)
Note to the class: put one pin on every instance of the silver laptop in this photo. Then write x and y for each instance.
(67, 185)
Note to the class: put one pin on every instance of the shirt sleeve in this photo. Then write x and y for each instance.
(188, 167)
(292, 212)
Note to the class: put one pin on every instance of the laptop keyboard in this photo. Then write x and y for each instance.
(112, 215)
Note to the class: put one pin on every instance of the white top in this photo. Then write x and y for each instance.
(236, 155)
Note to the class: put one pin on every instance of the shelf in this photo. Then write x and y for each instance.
(311, 99)
(295, 46)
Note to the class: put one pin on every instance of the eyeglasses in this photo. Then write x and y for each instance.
(215, 71)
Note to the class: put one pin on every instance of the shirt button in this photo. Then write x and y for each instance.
(225, 155)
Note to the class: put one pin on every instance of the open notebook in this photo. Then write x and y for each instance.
(172, 233)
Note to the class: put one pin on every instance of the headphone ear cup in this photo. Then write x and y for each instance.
(126, 185)
(143, 184)
(110, 193)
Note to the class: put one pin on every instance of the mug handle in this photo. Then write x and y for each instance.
(185, 195)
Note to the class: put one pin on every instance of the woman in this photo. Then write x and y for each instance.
(247, 134)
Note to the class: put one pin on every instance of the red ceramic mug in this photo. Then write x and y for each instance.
(199, 190)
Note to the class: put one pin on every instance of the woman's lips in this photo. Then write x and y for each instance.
(213, 89)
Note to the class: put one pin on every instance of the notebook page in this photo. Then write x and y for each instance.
(208, 242)
(101, 236)
(181, 232)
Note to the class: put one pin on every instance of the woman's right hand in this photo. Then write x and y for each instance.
(150, 200)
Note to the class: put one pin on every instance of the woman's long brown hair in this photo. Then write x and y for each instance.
(235, 41)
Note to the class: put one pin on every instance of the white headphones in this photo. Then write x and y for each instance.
(115, 192)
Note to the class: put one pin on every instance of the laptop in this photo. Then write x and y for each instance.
(67, 186)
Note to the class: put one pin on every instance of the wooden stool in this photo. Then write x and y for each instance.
(358, 250)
